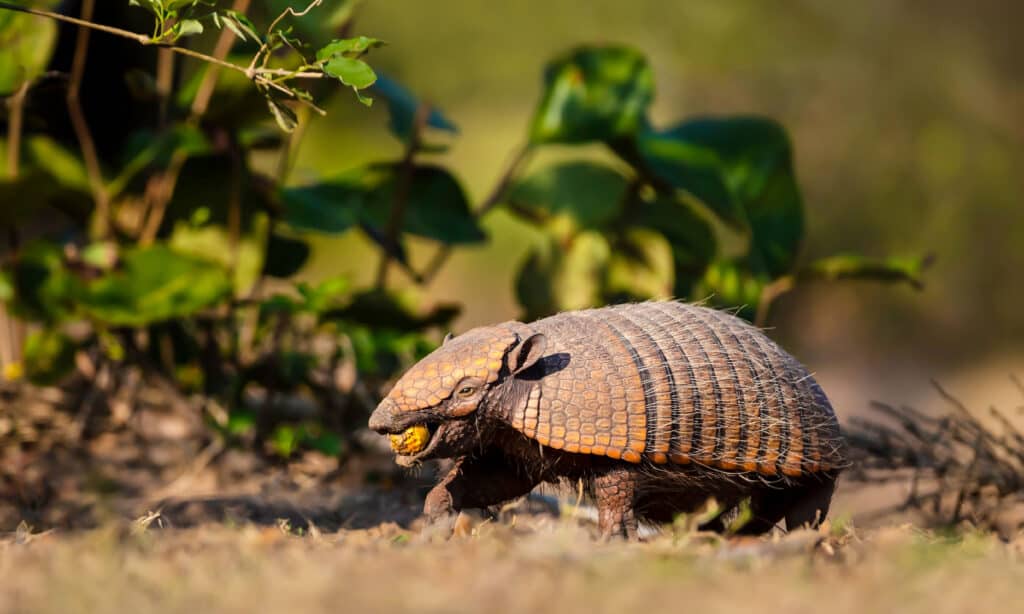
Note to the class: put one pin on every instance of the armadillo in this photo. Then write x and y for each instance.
(654, 407)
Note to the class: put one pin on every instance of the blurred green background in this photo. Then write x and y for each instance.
(907, 128)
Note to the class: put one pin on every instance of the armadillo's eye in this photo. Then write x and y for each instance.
(466, 391)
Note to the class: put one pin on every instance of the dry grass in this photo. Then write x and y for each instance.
(534, 564)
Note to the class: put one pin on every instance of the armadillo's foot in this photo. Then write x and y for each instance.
(475, 483)
(615, 492)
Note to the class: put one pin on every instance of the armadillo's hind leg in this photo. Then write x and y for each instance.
(615, 494)
(811, 506)
(800, 505)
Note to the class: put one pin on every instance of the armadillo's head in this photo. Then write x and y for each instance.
(431, 411)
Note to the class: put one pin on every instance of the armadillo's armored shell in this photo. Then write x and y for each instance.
(672, 382)
(478, 353)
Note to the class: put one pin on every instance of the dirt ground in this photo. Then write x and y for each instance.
(142, 510)
(527, 563)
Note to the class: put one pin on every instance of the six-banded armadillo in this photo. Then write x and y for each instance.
(655, 406)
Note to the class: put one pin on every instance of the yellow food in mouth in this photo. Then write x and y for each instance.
(410, 441)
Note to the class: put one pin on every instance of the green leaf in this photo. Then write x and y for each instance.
(326, 295)
(26, 44)
(212, 242)
(731, 284)
(571, 196)
(690, 236)
(284, 441)
(49, 356)
(283, 114)
(188, 27)
(380, 309)
(347, 46)
(154, 284)
(402, 107)
(854, 266)
(351, 72)
(640, 267)
(593, 94)
(331, 207)
(742, 168)
(285, 256)
(436, 205)
(44, 289)
(146, 149)
(241, 25)
(558, 278)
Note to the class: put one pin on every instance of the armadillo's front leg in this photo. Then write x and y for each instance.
(615, 492)
(475, 482)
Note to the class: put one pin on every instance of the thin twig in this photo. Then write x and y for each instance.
(257, 75)
(401, 197)
(518, 160)
(162, 187)
(16, 109)
(101, 219)
(164, 82)
(225, 42)
(769, 294)
(287, 11)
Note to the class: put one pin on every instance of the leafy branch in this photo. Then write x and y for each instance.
(176, 19)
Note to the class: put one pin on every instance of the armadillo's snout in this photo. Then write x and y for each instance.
(382, 419)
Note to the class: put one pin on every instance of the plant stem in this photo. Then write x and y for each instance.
(519, 159)
(162, 187)
(401, 198)
(256, 74)
(769, 293)
(16, 110)
(225, 42)
(84, 22)
(101, 218)
(164, 82)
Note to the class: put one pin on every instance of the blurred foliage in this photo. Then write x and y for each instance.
(192, 271)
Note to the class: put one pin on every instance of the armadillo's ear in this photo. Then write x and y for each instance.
(448, 337)
(527, 353)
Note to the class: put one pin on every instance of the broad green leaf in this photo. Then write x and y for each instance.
(26, 44)
(212, 242)
(593, 94)
(347, 46)
(52, 182)
(155, 284)
(854, 266)
(571, 196)
(44, 289)
(730, 284)
(402, 107)
(206, 188)
(188, 27)
(331, 206)
(640, 267)
(145, 149)
(351, 72)
(436, 206)
(381, 309)
(751, 158)
(325, 295)
(690, 236)
(557, 277)
(49, 356)
(285, 256)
